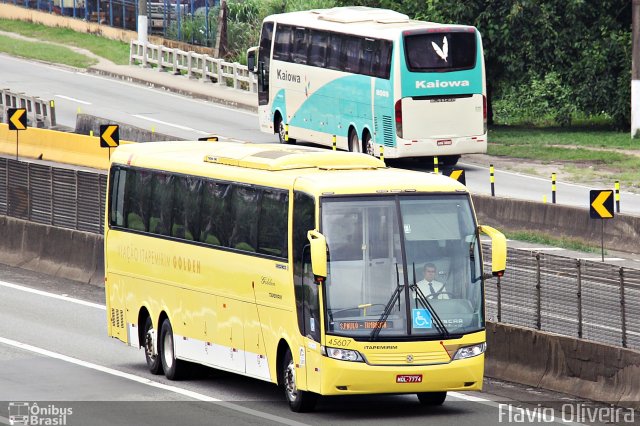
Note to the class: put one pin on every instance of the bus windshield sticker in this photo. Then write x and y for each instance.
(422, 318)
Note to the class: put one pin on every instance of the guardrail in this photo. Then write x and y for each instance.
(40, 113)
(193, 65)
(568, 296)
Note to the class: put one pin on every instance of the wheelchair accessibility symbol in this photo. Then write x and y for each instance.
(421, 318)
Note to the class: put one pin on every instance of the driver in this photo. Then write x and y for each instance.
(431, 288)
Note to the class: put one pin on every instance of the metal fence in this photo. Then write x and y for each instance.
(53, 196)
(568, 296)
(192, 21)
(579, 298)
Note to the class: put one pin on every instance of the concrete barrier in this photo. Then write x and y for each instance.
(577, 367)
(55, 251)
(86, 123)
(620, 233)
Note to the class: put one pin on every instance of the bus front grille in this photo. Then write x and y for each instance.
(408, 358)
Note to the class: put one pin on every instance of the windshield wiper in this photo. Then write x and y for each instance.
(425, 302)
(387, 309)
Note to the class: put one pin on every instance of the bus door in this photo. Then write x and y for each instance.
(264, 63)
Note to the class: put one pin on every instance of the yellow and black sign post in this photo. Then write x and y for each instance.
(458, 175)
(17, 121)
(601, 207)
(109, 136)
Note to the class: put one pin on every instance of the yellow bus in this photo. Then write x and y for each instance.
(298, 266)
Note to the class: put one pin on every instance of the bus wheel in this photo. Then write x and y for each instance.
(450, 160)
(150, 352)
(173, 368)
(432, 398)
(354, 143)
(367, 144)
(281, 130)
(299, 401)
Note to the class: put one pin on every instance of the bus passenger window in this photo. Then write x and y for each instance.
(215, 214)
(272, 224)
(244, 210)
(334, 54)
(282, 47)
(318, 48)
(299, 51)
(188, 196)
(352, 50)
(161, 220)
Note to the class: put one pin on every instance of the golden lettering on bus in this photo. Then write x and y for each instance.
(157, 258)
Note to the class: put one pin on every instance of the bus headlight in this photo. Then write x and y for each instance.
(342, 354)
(470, 351)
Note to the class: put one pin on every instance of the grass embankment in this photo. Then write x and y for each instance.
(115, 51)
(539, 238)
(585, 153)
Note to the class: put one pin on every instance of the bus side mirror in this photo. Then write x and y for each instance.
(251, 59)
(498, 249)
(318, 253)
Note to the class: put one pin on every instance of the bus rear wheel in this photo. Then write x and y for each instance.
(173, 367)
(354, 142)
(299, 401)
(432, 398)
(151, 352)
(368, 144)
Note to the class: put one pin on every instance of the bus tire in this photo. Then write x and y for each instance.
(432, 398)
(354, 142)
(299, 401)
(280, 129)
(173, 367)
(450, 160)
(367, 144)
(153, 360)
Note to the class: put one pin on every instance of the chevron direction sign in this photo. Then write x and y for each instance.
(109, 136)
(601, 204)
(17, 118)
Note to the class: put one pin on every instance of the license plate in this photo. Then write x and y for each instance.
(409, 378)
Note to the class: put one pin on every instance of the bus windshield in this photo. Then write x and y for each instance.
(440, 51)
(402, 267)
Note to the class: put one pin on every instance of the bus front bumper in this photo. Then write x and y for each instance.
(344, 378)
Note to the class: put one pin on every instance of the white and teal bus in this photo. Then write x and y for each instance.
(372, 78)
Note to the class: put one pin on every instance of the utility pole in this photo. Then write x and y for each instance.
(635, 69)
(220, 49)
(142, 21)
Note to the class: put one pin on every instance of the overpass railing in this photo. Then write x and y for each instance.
(40, 113)
(193, 65)
(559, 294)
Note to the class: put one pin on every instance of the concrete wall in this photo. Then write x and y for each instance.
(578, 367)
(506, 214)
(55, 251)
(86, 123)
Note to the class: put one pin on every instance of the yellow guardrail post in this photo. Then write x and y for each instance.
(553, 188)
(617, 193)
(382, 153)
(333, 142)
(435, 165)
(492, 179)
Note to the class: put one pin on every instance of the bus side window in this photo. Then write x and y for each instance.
(282, 47)
(161, 207)
(138, 191)
(318, 48)
(214, 213)
(242, 221)
(272, 223)
(116, 201)
(334, 54)
(299, 50)
(186, 208)
(382, 61)
(368, 51)
(352, 51)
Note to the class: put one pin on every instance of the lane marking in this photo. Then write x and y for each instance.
(540, 248)
(184, 392)
(599, 259)
(177, 126)
(73, 99)
(52, 295)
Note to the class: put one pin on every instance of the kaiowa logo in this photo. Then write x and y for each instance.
(286, 76)
(423, 84)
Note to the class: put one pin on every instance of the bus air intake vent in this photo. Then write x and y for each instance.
(117, 318)
(387, 130)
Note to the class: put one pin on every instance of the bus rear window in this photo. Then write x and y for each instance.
(440, 51)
